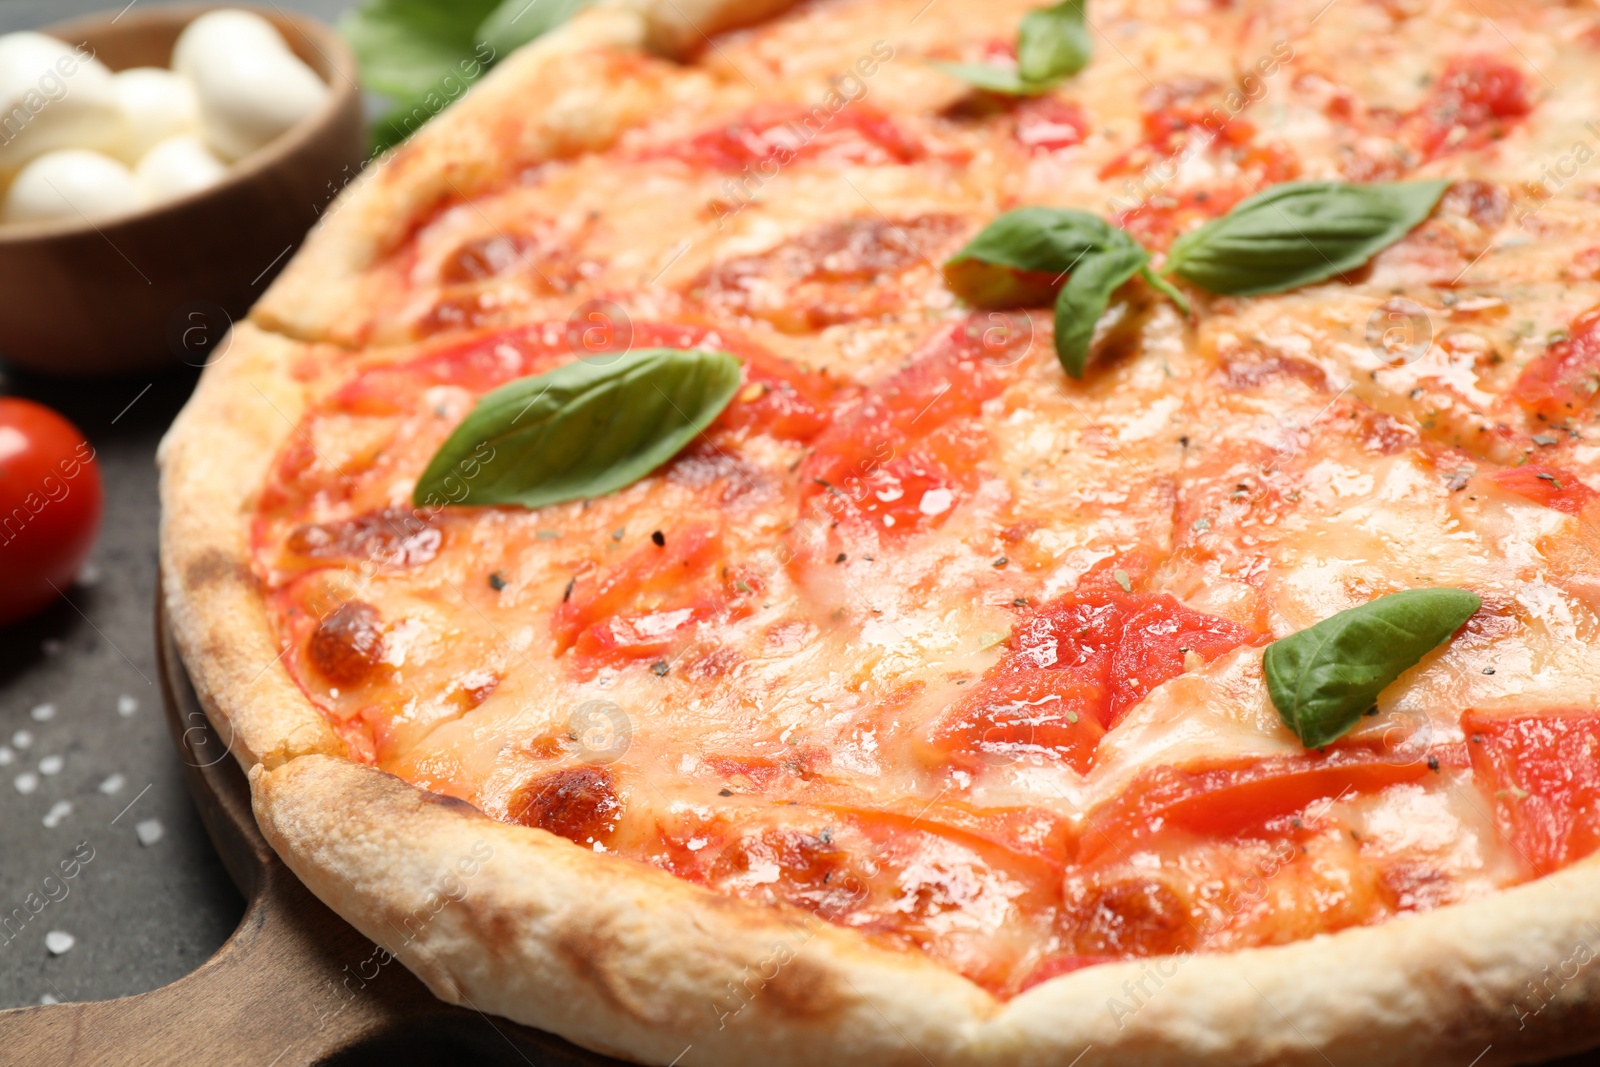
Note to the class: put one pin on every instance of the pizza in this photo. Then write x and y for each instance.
(890, 531)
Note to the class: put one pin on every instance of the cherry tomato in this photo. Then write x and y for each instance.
(50, 501)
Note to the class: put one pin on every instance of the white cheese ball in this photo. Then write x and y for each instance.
(249, 98)
(226, 32)
(73, 183)
(52, 96)
(156, 104)
(177, 167)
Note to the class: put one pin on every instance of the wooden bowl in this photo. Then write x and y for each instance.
(157, 288)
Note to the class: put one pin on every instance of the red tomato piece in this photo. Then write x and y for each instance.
(50, 500)
(901, 459)
(1073, 669)
(1154, 645)
(1022, 712)
(1050, 124)
(775, 135)
(1230, 800)
(1477, 95)
(781, 400)
(639, 607)
(483, 363)
(1554, 487)
(1542, 773)
(1564, 381)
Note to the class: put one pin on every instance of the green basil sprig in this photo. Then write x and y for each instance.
(1298, 233)
(583, 430)
(1325, 678)
(423, 54)
(1021, 256)
(1052, 45)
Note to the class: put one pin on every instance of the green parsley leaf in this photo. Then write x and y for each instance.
(1325, 678)
(583, 430)
(1298, 233)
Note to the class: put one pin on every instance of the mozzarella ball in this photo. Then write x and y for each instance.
(227, 33)
(177, 167)
(73, 183)
(248, 99)
(52, 96)
(156, 104)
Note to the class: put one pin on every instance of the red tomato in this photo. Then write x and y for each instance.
(1049, 124)
(775, 135)
(899, 461)
(1073, 669)
(1230, 800)
(1542, 773)
(1551, 486)
(1563, 383)
(1473, 103)
(49, 506)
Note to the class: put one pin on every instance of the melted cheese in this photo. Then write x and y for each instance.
(1271, 462)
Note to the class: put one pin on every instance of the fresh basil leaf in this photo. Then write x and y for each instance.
(516, 22)
(1324, 678)
(992, 269)
(993, 79)
(1053, 43)
(1083, 299)
(582, 430)
(1165, 288)
(407, 47)
(1298, 233)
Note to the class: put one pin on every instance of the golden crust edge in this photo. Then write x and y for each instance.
(618, 956)
(586, 77)
(212, 460)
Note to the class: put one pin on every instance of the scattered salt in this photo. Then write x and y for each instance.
(51, 765)
(26, 782)
(43, 712)
(149, 831)
(49, 998)
(58, 811)
(113, 784)
(127, 705)
(90, 574)
(22, 739)
(59, 941)
(6, 756)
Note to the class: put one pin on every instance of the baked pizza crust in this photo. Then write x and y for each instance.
(627, 959)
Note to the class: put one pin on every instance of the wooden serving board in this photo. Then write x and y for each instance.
(294, 986)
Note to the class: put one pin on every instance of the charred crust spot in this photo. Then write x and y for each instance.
(211, 567)
(448, 803)
(578, 803)
(347, 646)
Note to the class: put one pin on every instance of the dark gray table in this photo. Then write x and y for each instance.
(154, 901)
